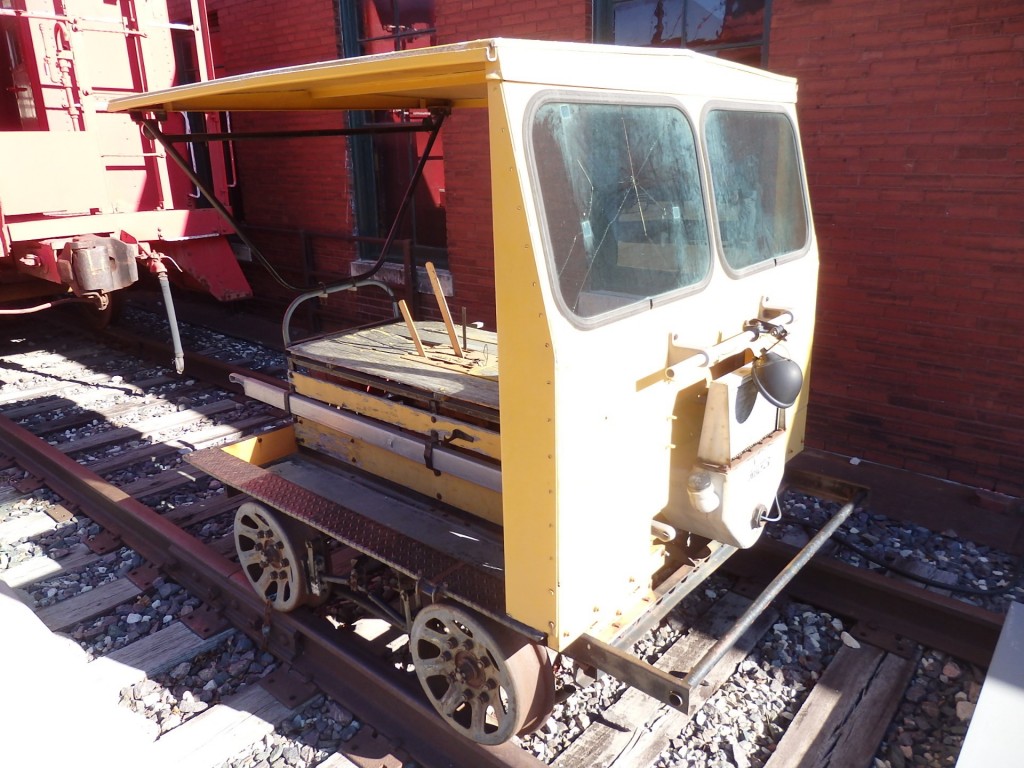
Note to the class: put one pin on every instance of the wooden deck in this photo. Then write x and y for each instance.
(385, 357)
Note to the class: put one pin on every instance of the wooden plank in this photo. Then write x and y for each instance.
(194, 440)
(189, 514)
(477, 339)
(46, 405)
(337, 760)
(26, 526)
(634, 730)
(867, 725)
(147, 428)
(809, 740)
(219, 733)
(39, 568)
(163, 482)
(45, 390)
(386, 354)
(150, 655)
(88, 605)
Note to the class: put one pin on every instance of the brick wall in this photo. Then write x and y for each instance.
(467, 162)
(912, 115)
(287, 184)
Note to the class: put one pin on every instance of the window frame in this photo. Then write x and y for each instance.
(770, 263)
(617, 98)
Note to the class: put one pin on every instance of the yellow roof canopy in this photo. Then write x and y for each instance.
(448, 75)
(457, 76)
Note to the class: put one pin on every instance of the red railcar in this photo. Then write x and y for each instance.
(86, 200)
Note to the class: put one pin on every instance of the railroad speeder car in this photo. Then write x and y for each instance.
(550, 488)
(87, 202)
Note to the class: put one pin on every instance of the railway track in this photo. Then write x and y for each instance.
(104, 527)
(101, 558)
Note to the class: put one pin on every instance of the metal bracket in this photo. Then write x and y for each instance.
(670, 593)
(144, 576)
(206, 621)
(289, 687)
(104, 542)
(428, 451)
(663, 686)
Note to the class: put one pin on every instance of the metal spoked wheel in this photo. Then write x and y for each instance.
(488, 682)
(271, 555)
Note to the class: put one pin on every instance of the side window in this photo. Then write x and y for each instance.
(621, 198)
(757, 183)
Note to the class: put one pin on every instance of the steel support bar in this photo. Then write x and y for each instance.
(392, 703)
(714, 654)
(375, 129)
(670, 594)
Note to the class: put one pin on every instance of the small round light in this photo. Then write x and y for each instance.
(778, 378)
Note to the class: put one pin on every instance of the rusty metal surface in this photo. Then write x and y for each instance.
(206, 621)
(289, 686)
(390, 701)
(403, 553)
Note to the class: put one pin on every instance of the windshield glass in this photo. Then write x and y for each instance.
(759, 196)
(621, 199)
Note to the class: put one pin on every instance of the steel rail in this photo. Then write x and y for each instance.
(394, 705)
(880, 602)
(204, 368)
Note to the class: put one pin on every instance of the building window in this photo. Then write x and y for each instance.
(730, 29)
(382, 164)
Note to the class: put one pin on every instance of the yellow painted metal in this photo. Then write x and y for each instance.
(459, 493)
(265, 448)
(394, 412)
(526, 392)
(444, 75)
(457, 76)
